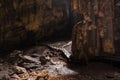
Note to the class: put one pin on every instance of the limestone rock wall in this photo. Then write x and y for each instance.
(31, 20)
(95, 35)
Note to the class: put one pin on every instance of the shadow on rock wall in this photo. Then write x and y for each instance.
(29, 21)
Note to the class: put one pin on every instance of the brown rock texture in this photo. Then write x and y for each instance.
(96, 33)
(31, 20)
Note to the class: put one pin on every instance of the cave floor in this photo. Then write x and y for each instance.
(49, 63)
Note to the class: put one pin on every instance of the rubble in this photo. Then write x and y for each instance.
(21, 73)
(50, 63)
(44, 75)
(65, 52)
(40, 62)
(19, 70)
(29, 58)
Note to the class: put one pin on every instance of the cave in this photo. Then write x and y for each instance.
(59, 40)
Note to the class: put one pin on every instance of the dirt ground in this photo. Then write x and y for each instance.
(49, 63)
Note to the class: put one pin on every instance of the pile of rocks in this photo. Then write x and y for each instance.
(39, 62)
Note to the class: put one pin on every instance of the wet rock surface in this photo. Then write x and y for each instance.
(51, 62)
